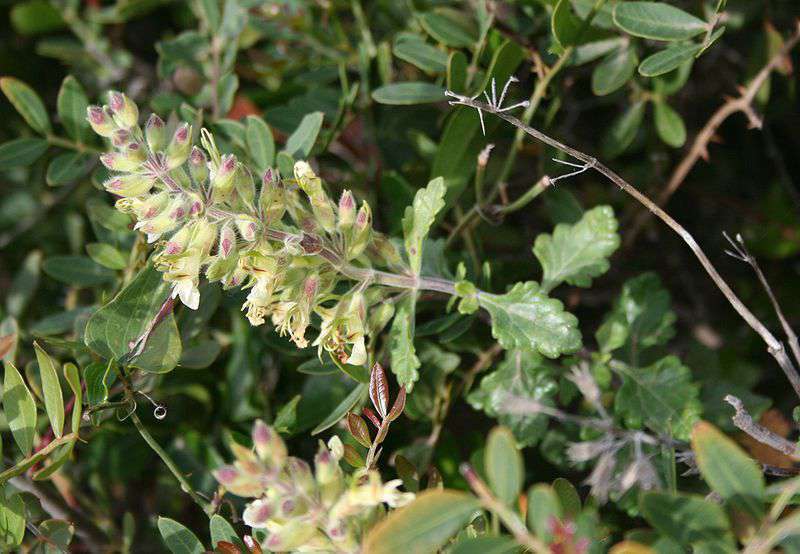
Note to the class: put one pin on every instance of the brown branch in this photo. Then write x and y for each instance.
(699, 148)
(774, 346)
(744, 421)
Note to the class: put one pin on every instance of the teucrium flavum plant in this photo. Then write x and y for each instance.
(299, 253)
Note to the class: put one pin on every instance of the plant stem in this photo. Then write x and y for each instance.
(72, 145)
(170, 463)
(774, 346)
(35, 458)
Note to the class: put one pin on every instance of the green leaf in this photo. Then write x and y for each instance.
(24, 285)
(301, 141)
(260, 143)
(127, 316)
(657, 20)
(79, 271)
(543, 507)
(27, 103)
(669, 125)
(35, 17)
(564, 24)
(668, 59)
(622, 132)
(502, 463)
(68, 167)
(56, 535)
(525, 317)
(578, 253)
(486, 545)
(614, 71)
(603, 19)
(12, 520)
(425, 525)
(21, 151)
(20, 409)
(72, 376)
(72, 103)
(421, 54)
(404, 361)
(568, 497)
(727, 469)
(51, 387)
(408, 93)
(450, 27)
(356, 397)
(641, 316)
(457, 65)
(179, 539)
(688, 519)
(520, 375)
(106, 255)
(418, 219)
(591, 51)
(221, 530)
(661, 396)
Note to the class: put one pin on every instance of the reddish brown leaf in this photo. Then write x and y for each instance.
(358, 428)
(253, 545)
(379, 389)
(225, 547)
(352, 457)
(398, 406)
(372, 417)
(6, 343)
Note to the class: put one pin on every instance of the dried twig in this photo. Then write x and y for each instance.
(740, 252)
(774, 346)
(744, 421)
(699, 148)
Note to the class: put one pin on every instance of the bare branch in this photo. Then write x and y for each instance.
(742, 253)
(774, 346)
(744, 421)
(699, 148)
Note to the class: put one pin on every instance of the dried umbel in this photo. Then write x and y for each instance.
(284, 240)
(298, 509)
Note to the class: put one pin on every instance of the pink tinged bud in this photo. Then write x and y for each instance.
(363, 218)
(310, 287)
(155, 133)
(197, 157)
(96, 115)
(179, 148)
(288, 506)
(228, 164)
(109, 159)
(227, 240)
(197, 206)
(268, 177)
(347, 210)
(178, 213)
(182, 133)
(120, 138)
(116, 101)
(173, 248)
(226, 474)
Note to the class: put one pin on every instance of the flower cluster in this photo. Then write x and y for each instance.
(322, 510)
(284, 240)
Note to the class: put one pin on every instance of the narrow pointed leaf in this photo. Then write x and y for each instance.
(20, 409)
(72, 103)
(379, 389)
(27, 103)
(51, 387)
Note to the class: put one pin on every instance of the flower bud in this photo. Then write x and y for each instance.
(198, 165)
(227, 243)
(223, 177)
(269, 446)
(205, 234)
(178, 208)
(361, 232)
(135, 153)
(126, 114)
(385, 249)
(151, 206)
(300, 474)
(128, 185)
(347, 211)
(156, 133)
(101, 123)
(271, 199)
(290, 536)
(244, 185)
(120, 161)
(257, 513)
(328, 475)
(178, 242)
(120, 138)
(247, 226)
(156, 226)
(180, 146)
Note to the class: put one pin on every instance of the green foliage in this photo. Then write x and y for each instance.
(282, 201)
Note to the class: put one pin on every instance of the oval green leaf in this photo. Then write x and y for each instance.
(20, 409)
(106, 255)
(614, 71)
(51, 388)
(657, 20)
(68, 167)
(27, 103)
(669, 125)
(668, 59)
(260, 143)
(421, 54)
(21, 151)
(425, 525)
(177, 538)
(408, 93)
(79, 271)
(301, 141)
(72, 103)
(503, 465)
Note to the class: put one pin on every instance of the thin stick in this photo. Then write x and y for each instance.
(774, 346)
(743, 254)
(744, 421)
(699, 149)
